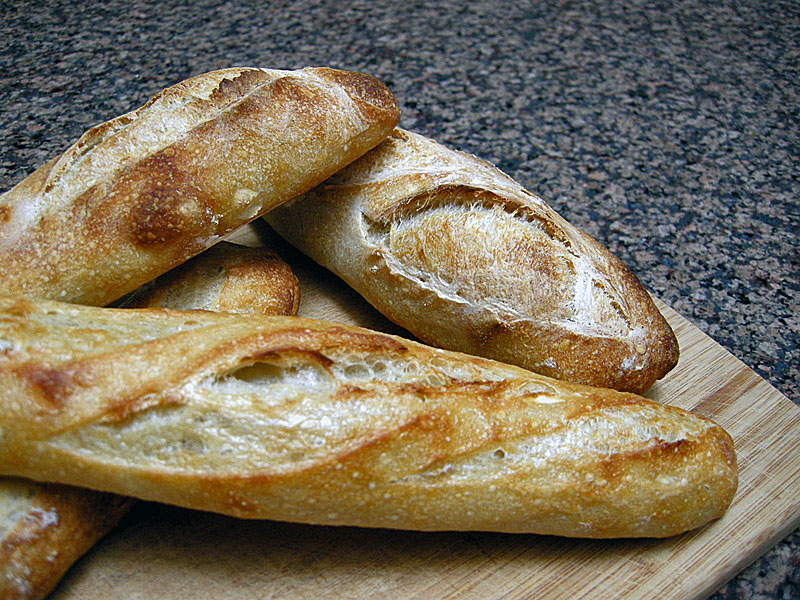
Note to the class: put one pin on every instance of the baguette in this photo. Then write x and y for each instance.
(459, 254)
(45, 528)
(143, 193)
(300, 420)
(225, 278)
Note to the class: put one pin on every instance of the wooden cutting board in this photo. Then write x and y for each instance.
(171, 553)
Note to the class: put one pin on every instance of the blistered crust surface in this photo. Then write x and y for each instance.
(44, 529)
(292, 419)
(225, 278)
(457, 252)
(146, 191)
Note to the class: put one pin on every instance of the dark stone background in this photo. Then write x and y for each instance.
(668, 130)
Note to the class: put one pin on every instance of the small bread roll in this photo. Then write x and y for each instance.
(225, 278)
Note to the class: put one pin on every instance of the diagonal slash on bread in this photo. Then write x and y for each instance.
(300, 420)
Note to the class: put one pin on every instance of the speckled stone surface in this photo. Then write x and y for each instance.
(668, 130)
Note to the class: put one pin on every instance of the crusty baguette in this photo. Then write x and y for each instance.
(141, 194)
(45, 528)
(301, 420)
(225, 278)
(455, 251)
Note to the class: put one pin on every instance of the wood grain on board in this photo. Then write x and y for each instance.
(171, 553)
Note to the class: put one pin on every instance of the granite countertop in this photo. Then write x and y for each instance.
(669, 131)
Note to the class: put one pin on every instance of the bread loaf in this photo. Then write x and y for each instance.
(142, 193)
(301, 420)
(45, 528)
(225, 278)
(455, 251)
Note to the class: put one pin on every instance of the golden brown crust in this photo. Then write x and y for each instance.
(146, 191)
(45, 529)
(225, 278)
(455, 251)
(294, 419)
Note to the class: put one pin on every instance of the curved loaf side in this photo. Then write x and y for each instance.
(462, 256)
